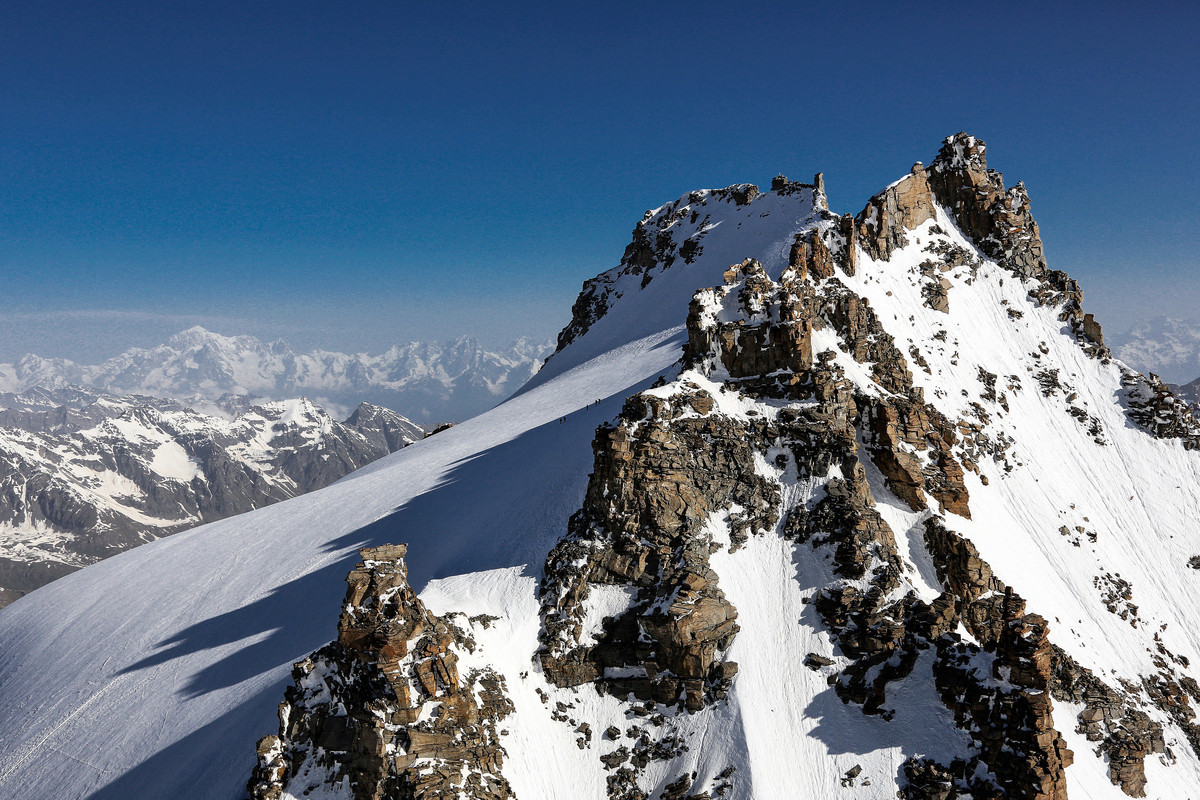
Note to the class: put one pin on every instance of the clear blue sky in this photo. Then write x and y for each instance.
(355, 173)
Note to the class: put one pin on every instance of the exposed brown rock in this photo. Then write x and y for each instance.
(937, 294)
(811, 256)
(758, 342)
(849, 250)
(744, 193)
(881, 227)
(658, 476)
(997, 219)
(1125, 733)
(360, 708)
(901, 428)
(1153, 405)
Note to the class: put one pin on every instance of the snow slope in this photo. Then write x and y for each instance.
(189, 645)
(151, 674)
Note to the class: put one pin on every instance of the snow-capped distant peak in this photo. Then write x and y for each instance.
(428, 380)
(1167, 346)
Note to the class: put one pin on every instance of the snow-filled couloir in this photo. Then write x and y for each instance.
(895, 522)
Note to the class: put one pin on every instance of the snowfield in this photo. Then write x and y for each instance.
(152, 674)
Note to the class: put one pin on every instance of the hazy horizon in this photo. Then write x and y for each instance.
(353, 178)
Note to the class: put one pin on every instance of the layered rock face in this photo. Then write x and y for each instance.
(814, 413)
(901, 207)
(89, 475)
(998, 220)
(385, 711)
(674, 462)
(659, 475)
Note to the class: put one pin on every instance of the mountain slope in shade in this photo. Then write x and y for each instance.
(431, 381)
(84, 476)
(896, 522)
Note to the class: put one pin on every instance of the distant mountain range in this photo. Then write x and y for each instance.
(84, 476)
(428, 382)
(1165, 346)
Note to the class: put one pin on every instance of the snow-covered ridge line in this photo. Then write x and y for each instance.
(835, 620)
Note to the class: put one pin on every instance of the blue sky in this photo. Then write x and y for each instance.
(353, 174)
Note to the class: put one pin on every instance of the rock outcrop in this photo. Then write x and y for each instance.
(1126, 734)
(386, 709)
(998, 220)
(795, 414)
(883, 225)
(660, 473)
(1153, 405)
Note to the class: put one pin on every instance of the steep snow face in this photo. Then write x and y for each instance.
(153, 673)
(83, 477)
(1078, 500)
(432, 382)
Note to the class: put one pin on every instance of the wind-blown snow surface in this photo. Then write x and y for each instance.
(152, 674)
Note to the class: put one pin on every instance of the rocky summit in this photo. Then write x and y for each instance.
(805, 505)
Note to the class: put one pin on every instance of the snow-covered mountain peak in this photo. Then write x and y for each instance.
(685, 243)
(896, 524)
(199, 340)
(197, 336)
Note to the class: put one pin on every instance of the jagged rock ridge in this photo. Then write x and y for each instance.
(763, 434)
(384, 710)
